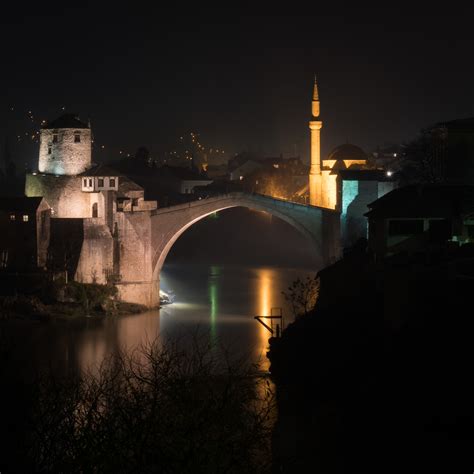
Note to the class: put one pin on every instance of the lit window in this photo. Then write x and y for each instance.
(241, 178)
(77, 137)
(55, 138)
(12, 217)
(112, 182)
(100, 182)
(25, 217)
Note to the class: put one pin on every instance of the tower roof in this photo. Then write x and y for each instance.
(66, 121)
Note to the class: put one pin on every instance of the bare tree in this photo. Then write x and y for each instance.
(162, 410)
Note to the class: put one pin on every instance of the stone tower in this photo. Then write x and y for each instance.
(315, 176)
(65, 146)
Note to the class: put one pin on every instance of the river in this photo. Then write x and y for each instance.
(216, 302)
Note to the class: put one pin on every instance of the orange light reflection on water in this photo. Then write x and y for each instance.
(266, 299)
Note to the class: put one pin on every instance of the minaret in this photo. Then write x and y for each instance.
(315, 177)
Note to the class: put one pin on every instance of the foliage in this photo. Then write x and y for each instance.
(91, 296)
(302, 294)
(162, 410)
(419, 162)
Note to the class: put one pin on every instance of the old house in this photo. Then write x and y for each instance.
(25, 237)
(417, 217)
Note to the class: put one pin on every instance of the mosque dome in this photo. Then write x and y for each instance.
(347, 152)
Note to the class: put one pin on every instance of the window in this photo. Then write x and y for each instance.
(49, 150)
(100, 182)
(405, 227)
(55, 138)
(95, 210)
(90, 182)
(85, 182)
(112, 182)
(77, 137)
(12, 217)
(25, 217)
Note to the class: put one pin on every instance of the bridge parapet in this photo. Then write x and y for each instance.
(240, 195)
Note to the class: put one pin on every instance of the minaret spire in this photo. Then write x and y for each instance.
(315, 175)
(315, 90)
(315, 103)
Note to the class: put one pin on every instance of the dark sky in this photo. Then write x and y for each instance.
(241, 78)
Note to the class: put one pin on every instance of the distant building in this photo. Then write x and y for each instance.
(245, 169)
(388, 157)
(177, 180)
(25, 235)
(413, 217)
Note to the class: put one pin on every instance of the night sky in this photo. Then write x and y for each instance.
(241, 78)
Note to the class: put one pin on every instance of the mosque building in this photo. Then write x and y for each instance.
(345, 181)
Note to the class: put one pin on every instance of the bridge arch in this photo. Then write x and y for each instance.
(165, 225)
(161, 252)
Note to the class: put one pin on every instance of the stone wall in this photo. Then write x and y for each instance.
(43, 233)
(63, 194)
(96, 260)
(65, 156)
(137, 283)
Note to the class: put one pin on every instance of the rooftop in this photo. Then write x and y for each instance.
(22, 204)
(426, 200)
(364, 175)
(66, 121)
(101, 170)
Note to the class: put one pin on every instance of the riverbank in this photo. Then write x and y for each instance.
(32, 308)
(376, 377)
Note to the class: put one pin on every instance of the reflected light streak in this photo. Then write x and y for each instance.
(213, 280)
(266, 299)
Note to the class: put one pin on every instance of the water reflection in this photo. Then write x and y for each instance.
(218, 301)
(213, 282)
(266, 279)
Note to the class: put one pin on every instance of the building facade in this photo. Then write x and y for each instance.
(345, 181)
(100, 220)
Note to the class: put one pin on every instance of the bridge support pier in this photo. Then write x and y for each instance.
(140, 292)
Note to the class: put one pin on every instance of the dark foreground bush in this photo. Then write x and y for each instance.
(162, 410)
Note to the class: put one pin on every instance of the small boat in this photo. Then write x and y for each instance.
(166, 297)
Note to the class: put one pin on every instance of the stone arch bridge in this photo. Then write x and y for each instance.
(144, 251)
